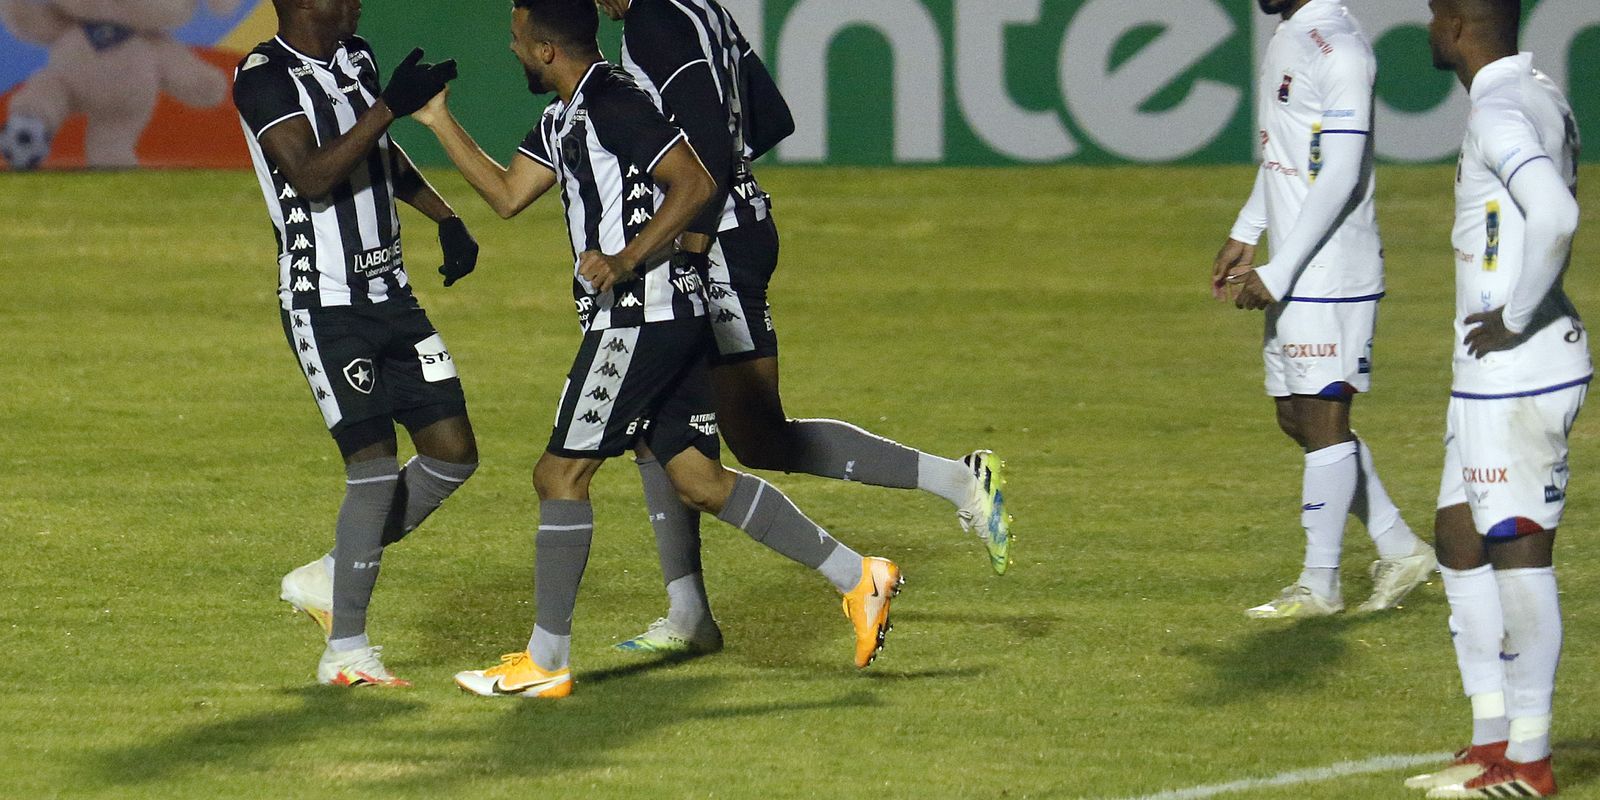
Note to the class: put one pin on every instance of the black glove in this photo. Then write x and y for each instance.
(460, 250)
(413, 83)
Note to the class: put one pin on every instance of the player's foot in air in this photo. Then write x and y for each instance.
(867, 606)
(664, 638)
(517, 676)
(985, 511)
(1394, 578)
(358, 667)
(310, 589)
(1505, 779)
(1296, 602)
(1468, 763)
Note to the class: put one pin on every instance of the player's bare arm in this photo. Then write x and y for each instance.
(315, 170)
(455, 241)
(688, 187)
(507, 190)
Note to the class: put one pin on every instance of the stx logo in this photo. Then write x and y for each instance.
(609, 370)
(591, 417)
(1310, 350)
(1485, 474)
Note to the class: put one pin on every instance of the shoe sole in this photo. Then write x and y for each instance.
(1000, 555)
(562, 689)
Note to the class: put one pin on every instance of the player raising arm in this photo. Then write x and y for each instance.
(1314, 193)
(1521, 371)
(630, 185)
(317, 125)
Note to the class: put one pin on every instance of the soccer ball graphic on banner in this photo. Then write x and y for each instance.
(24, 143)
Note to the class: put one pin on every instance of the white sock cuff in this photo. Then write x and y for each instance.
(1527, 728)
(1525, 572)
(349, 643)
(1331, 455)
(1489, 705)
(1465, 574)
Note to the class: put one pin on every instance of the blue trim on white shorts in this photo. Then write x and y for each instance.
(1362, 299)
(1547, 390)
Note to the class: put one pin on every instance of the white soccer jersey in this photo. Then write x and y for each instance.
(1316, 78)
(1518, 116)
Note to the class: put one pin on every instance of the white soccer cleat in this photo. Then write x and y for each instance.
(310, 589)
(1468, 763)
(1296, 602)
(358, 667)
(985, 510)
(663, 638)
(1394, 578)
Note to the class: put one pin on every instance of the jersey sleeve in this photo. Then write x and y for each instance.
(662, 42)
(265, 93)
(628, 124)
(1506, 138)
(1346, 75)
(536, 145)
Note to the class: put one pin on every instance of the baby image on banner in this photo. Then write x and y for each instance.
(118, 84)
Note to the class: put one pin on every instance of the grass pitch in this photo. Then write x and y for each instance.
(163, 465)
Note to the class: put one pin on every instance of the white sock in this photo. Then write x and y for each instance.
(550, 651)
(349, 643)
(1489, 723)
(1378, 513)
(1326, 493)
(949, 479)
(1476, 629)
(327, 563)
(1532, 613)
(687, 599)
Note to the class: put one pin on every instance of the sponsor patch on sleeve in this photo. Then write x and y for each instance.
(437, 365)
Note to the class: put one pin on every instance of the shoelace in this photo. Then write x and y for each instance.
(369, 663)
(509, 662)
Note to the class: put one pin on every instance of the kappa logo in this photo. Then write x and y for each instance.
(718, 291)
(609, 370)
(629, 301)
(300, 243)
(1486, 474)
(302, 264)
(298, 215)
(360, 375)
(616, 346)
(591, 417)
(288, 193)
(599, 393)
(639, 217)
(302, 284)
(311, 370)
(726, 316)
(633, 171)
(639, 190)
(1283, 88)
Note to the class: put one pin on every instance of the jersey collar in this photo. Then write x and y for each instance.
(1504, 69)
(304, 57)
(598, 66)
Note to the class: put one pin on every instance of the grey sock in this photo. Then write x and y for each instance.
(829, 448)
(561, 552)
(760, 510)
(677, 529)
(358, 542)
(424, 484)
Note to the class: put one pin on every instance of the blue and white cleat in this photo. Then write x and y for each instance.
(985, 512)
(662, 638)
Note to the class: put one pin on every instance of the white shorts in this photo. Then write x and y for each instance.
(1507, 460)
(1316, 348)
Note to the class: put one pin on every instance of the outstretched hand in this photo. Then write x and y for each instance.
(413, 83)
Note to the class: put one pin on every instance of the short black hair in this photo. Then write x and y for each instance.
(572, 23)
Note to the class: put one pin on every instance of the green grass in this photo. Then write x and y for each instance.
(161, 465)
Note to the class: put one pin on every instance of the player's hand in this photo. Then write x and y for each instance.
(413, 83)
(1490, 335)
(433, 112)
(1234, 253)
(460, 250)
(1253, 294)
(603, 271)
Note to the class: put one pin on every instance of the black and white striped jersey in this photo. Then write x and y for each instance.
(345, 248)
(602, 145)
(665, 40)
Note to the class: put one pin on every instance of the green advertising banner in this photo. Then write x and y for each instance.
(870, 81)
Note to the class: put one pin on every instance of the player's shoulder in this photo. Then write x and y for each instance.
(360, 51)
(610, 90)
(264, 57)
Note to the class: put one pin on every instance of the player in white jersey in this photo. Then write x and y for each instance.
(1521, 371)
(1314, 192)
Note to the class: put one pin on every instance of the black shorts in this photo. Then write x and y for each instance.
(378, 361)
(647, 382)
(742, 262)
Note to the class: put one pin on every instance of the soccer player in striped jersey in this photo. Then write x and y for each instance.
(630, 184)
(316, 124)
(692, 60)
(1314, 193)
(1522, 368)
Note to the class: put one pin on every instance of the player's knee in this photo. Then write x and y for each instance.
(703, 489)
(559, 479)
(1290, 426)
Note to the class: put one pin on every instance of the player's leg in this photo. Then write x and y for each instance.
(429, 401)
(768, 516)
(447, 455)
(762, 436)
(688, 626)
